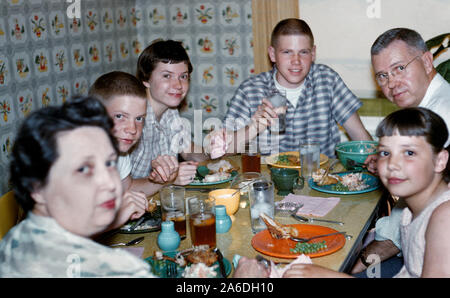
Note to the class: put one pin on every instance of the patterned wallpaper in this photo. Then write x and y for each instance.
(48, 55)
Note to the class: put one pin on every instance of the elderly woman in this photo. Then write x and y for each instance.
(63, 171)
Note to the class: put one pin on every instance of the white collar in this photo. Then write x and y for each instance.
(435, 84)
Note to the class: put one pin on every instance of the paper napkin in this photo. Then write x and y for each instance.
(314, 206)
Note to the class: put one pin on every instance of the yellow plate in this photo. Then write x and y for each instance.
(272, 159)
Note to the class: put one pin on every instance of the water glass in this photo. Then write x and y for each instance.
(202, 221)
(278, 99)
(173, 207)
(261, 196)
(309, 157)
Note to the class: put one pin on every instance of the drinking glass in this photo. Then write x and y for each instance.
(251, 159)
(261, 197)
(278, 99)
(173, 207)
(202, 221)
(309, 157)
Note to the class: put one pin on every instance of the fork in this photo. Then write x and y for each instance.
(171, 270)
(353, 164)
(298, 239)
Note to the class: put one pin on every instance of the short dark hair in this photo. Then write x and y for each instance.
(417, 122)
(165, 51)
(408, 36)
(35, 147)
(290, 26)
(117, 83)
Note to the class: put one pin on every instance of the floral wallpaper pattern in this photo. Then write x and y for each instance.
(47, 55)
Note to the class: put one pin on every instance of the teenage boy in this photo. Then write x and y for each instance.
(318, 99)
(124, 98)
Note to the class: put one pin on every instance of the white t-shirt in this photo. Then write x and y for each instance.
(124, 166)
(291, 94)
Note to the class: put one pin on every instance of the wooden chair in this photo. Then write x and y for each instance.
(10, 213)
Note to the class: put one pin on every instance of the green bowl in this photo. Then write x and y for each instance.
(355, 150)
(286, 180)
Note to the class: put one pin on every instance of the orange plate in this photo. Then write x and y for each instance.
(272, 159)
(281, 248)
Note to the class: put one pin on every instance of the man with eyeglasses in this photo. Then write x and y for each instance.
(317, 98)
(404, 70)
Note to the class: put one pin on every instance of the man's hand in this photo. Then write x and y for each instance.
(164, 169)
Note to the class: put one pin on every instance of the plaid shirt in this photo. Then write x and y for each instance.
(169, 136)
(324, 102)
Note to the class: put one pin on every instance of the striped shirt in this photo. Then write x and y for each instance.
(169, 136)
(324, 102)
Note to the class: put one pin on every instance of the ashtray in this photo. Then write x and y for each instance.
(287, 208)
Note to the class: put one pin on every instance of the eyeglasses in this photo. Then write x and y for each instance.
(397, 71)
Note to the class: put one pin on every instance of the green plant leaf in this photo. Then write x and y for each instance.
(436, 41)
(444, 70)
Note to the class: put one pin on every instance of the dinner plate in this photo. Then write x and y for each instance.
(160, 268)
(372, 182)
(151, 223)
(203, 171)
(272, 159)
(281, 248)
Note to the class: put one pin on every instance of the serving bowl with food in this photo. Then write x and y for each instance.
(352, 154)
(196, 262)
(228, 197)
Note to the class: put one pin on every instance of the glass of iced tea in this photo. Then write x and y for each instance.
(202, 221)
(173, 207)
(251, 159)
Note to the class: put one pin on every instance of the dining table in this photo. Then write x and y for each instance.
(357, 211)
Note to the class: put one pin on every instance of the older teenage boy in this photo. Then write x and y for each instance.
(404, 70)
(164, 68)
(318, 99)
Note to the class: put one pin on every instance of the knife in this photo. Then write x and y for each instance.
(220, 260)
(302, 218)
(136, 223)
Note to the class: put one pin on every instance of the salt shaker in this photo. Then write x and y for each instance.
(168, 239)
(223, 220)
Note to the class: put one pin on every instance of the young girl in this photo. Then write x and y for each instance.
(412, 164)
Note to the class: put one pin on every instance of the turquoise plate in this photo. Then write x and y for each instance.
(202, 171)
(372, 182)
(159, 268)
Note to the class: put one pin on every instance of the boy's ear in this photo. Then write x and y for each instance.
(441, 161)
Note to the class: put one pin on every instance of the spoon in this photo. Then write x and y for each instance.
(132, 242)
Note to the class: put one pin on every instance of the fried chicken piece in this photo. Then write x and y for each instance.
(277, 230)
(205, 256)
